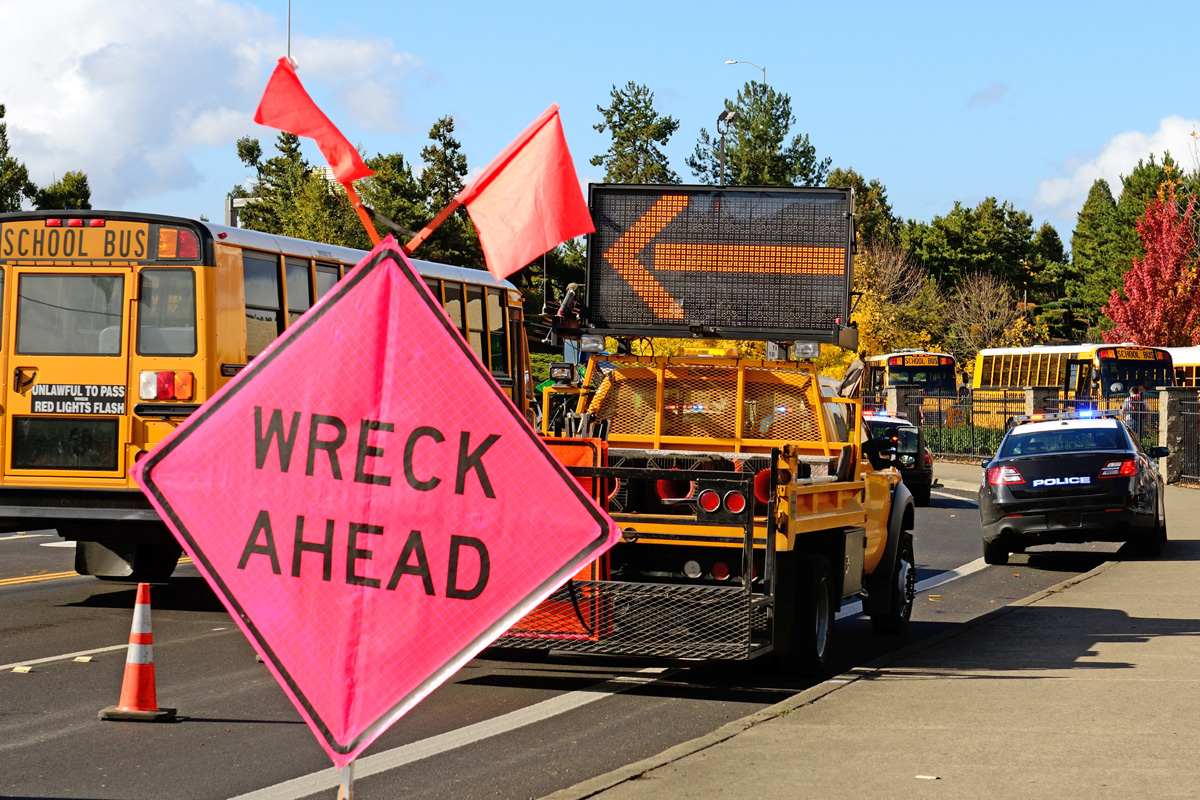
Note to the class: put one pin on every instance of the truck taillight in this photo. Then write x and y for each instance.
(735, 502)
(709, 500)
(165, 385)
(720, 570)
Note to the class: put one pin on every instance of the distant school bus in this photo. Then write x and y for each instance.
(934, 374)
(1101, 372)
(117, 326)
(1187, 365)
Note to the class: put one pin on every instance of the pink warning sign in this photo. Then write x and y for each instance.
(361, 497)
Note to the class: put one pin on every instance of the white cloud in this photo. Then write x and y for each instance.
(133, 95)
(989, 96)
(1064, 195)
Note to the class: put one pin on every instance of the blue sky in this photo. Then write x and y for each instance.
(1028, 102)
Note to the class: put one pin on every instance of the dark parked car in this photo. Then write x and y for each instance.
(1071, 478)
(912, 456)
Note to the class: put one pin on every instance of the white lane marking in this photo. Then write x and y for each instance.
(26, 536)
(949, 496)
(64, 656)
(452, 740)
(855, 608)
(57, 544)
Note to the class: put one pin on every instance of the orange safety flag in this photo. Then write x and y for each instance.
(286, 106)
(528, 199)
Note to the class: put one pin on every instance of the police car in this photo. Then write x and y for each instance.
(913, 458)
(1071, 477)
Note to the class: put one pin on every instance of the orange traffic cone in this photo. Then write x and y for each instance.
(138, 702)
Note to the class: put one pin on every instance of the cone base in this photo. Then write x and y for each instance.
(131, 715)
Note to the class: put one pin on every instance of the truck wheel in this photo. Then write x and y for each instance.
(812, 623)
(995, 553)
(902, 588)
(921, 496)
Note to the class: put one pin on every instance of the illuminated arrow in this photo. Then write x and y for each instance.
(751, 258)
(623, 256)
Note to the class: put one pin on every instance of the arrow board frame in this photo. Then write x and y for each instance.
(764, 263)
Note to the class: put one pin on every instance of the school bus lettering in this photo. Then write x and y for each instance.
(35, 241)
(329, 434)
(70, 398)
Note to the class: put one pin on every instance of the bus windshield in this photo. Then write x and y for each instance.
(1128, 373)
(932, 380)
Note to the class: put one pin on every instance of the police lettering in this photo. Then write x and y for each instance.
(468, 565)
(1061, 481)
(326, 437)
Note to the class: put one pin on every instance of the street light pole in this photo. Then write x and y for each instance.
(723, 121)
(752, 64)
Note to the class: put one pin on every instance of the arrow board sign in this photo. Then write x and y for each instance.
(767, 263)
(368, 504)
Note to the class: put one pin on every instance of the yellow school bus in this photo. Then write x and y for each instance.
(935, 374)
(1083, 371)
(116, 326)
(1187, 365)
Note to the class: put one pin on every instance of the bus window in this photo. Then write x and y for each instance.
(167, 312)
(496, 342)
(261, 276)
(435, 288)
(327, 276)
(299, 290)
(69, 314)
(454, 306)
(475, 321)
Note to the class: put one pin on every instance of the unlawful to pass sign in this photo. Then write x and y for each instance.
(359, 498)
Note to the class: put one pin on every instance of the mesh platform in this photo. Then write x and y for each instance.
(653, 620)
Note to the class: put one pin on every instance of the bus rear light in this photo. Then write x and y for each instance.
(189, 245)
(735, 502)
(75, 223)
(53, 223)
(95, 223)
(165, 385)
(168, 240)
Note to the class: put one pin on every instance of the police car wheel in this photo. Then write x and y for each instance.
(995, 553)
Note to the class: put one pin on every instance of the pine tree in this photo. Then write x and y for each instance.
(757, 150)
(637, 131)
(69, 192)
(14, 177)
(455, 240)
(874, 220)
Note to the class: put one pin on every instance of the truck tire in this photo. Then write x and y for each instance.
(807, 648)
(893, 616)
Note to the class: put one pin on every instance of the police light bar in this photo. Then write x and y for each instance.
(1066, 415)
(885, 413)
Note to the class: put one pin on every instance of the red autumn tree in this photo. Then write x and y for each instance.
(1161, 306)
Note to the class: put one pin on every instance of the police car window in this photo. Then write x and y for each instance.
(1066, 440)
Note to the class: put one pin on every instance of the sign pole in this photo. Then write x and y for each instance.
(362, 212)
(346, 787)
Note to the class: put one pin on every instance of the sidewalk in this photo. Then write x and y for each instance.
(1088, 689)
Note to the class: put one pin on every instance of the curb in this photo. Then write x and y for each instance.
(602, 783)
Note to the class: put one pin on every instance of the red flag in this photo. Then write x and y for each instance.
(528, 199)
(286, 106)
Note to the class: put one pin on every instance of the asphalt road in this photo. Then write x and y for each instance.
(497, 729)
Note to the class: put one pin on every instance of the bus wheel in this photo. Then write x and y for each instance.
(135, 563)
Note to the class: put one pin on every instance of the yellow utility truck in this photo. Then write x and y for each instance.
(751, 500)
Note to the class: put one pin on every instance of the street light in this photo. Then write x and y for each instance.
(756, 66)
(723, 121)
